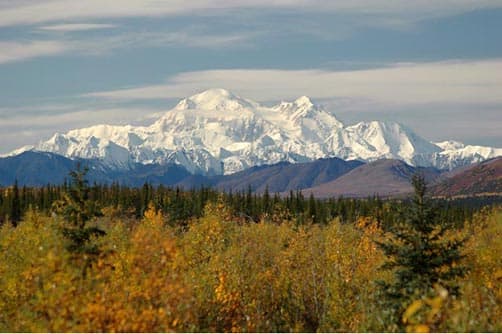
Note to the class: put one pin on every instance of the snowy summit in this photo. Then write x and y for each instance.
(218, 132)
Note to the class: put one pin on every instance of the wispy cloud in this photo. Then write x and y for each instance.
(76, 27)
(393, 12)
(185, 38)
(14, 51)
(400, 84)
(75, 115)
(65, 17)
(18, 51)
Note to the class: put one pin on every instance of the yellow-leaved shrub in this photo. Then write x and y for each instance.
(223, 274)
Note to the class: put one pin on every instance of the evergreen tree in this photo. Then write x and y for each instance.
(15, 214)
(266, 201)
(78, 210)
(419, 255)
(145, 198)
(249, 201)
(312, 209)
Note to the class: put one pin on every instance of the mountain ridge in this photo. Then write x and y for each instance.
(216, 132)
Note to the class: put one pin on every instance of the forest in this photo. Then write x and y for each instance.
(78, 257)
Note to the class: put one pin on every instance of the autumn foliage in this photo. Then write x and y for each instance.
(222, 273)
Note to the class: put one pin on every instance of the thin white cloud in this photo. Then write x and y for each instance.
(17, 51)
(461, 82)
(13, 51)
(76, 27)
(392, 12)
(161, 39)
(75, 115)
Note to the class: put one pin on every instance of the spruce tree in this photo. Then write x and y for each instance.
(312, 209)
(266, 201)
(78, 210)
(15, 214)
(419, 255)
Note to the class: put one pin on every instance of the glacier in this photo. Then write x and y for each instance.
(217, 132)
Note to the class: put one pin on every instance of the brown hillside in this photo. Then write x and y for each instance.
(484, 177)
(386, 178)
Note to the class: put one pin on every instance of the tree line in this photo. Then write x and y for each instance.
(180, 205)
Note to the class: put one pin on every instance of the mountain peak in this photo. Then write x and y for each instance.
(214, 93)
(214, 99)
(302, 105)
(304, 101)
(450, 145)
(217, 131)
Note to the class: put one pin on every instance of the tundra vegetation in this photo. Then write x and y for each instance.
(95, 258)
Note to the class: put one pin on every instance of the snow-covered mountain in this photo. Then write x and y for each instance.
(216, 132)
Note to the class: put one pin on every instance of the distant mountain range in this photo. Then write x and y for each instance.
(219, 133)
(330, 177)
(39, 168)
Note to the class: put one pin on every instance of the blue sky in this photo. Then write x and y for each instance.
(435, 66)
